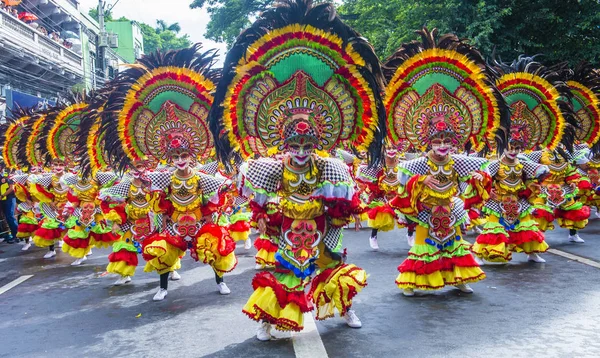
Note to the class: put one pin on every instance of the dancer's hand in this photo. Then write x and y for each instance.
(477, 176)
(116, 228)
(431, 182)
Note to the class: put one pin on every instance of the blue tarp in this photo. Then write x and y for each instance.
(24, 100)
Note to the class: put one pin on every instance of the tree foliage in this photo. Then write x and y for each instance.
(164, 36)
(559, 29)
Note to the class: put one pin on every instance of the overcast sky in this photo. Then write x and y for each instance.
(193, 22)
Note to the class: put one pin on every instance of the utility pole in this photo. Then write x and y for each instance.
(102, 41)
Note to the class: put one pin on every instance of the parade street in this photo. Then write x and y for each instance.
(521, 310)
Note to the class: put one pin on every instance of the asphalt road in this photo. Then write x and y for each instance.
(521, 310)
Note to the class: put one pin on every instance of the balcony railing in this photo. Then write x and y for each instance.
(23, 36)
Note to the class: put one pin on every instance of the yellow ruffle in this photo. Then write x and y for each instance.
(41, 242)
(335, 292)
(531, 247)
(383, 222)
(121, 268)
(239, 236)
(570, 224)
(544, 225)
(165, 257)
(265, 258)
(207, 251)
(76, 253)
(263, 305)
(492, 253)
(437, 280)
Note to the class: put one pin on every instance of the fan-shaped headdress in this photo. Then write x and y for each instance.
(584, 84)
(298, 70)
(61, 137)
(90, 145)
(12, 132)
(161, 104)
(535, 96)
(442, 86)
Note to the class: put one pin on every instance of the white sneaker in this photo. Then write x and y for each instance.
(408, 292)
(411, 240)
(248, 244)
(223, 289)
(463, 287)
(373, 243)
(575, 238)
(26, 246)
(352, 319)
(258, 267)
(50, 254)
(160, 295)
(89, 253)
(597, 214)
(123, 280)
(535, 258)
(79, 261)
(60, 243)
(263, 333)
(174, 276)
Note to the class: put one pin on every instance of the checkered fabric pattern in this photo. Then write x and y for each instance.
(69, 179)
(21, 178)
(105, 177)
(416, 166)
(332, 238)
(345, 156)
(534, 156)
(209, 168)
(25, 207)
(160, 180)
(494, 167)
(465, 165)
(44, 180)
(48, 210)
(209, 184)
(333, 170)
(265, 174)
(367, 174)
(534, 170)
(117, 192)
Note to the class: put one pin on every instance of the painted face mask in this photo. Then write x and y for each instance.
(301, 150)
(442, 145)
(181, 159)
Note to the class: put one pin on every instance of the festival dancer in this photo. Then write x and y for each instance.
(297, 82)
(381, 184)
(161, 106)
(440, 97)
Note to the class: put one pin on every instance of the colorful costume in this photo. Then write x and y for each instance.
(443, 99)
(295, 83)
(162, 106)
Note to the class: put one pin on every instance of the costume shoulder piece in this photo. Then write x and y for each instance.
(442, 85)
(161, 103)
(299, 58)
(10, 136)
(60, 142)
(533, 93)
(263, 175)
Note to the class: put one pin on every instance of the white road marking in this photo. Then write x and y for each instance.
(14, 283)
(308, 343)
(583, 260)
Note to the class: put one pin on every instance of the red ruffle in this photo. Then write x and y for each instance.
(44, 192)
(400, 202)
(521, 237)
(340, 208)
(26, 228)
(543, 214)
(473, 214)
(265, 244)
(72, 198)
(384, 209)
(584, 185)
(226, 244)
(240, 226)
(106, 237)
(524, 194)
(443, 264)
(573, 215)
(131, 258)
(119, 209)
(284, 297)
(77, 243)
(173, 240)
(572, 178)
(492, 239)
(164, 205)
(48, 234)
(211, 207)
